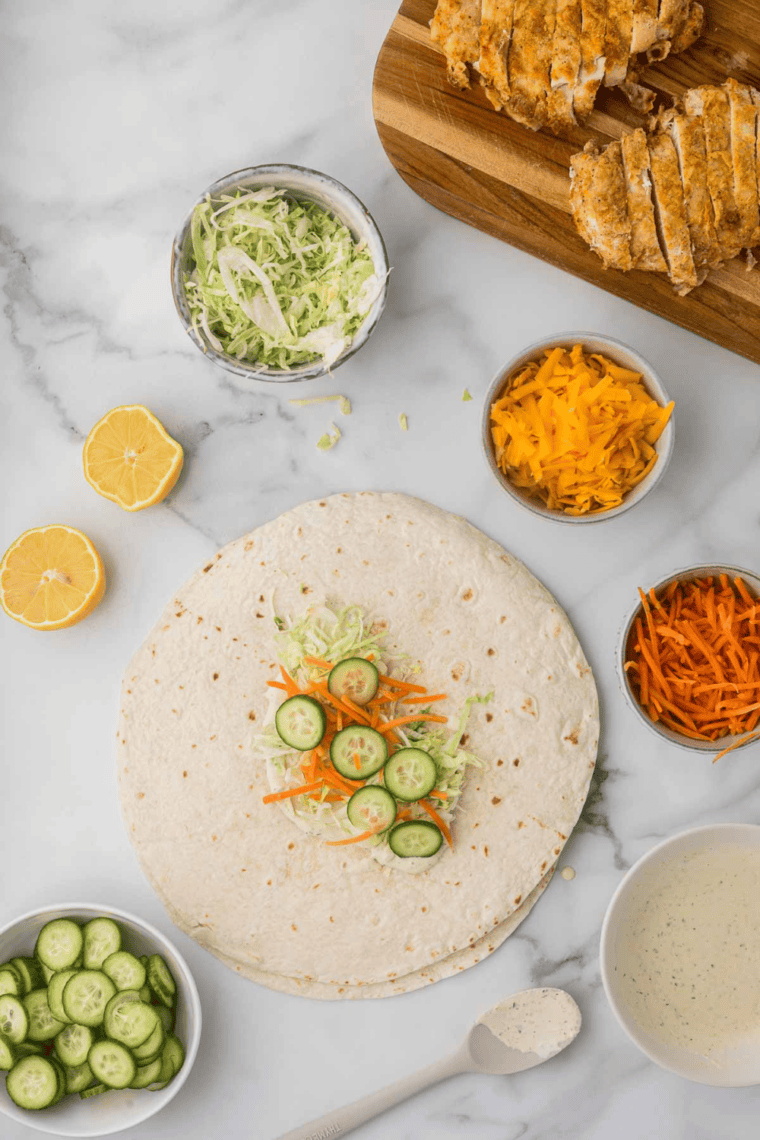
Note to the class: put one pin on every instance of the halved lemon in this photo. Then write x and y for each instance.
(130, 458)
(51, 577)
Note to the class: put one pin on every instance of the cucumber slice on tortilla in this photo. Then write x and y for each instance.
(410, 774)
(371, 808)
(358, 752)
(354, 678)
(415, 838)
(300, 723)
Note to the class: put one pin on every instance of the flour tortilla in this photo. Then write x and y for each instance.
(275, 903)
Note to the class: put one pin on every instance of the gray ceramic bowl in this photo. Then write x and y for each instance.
(300, 183)
(689, 574)
(624, 356)
(116, 1110)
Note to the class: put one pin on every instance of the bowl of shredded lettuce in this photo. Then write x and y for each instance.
(279, 273)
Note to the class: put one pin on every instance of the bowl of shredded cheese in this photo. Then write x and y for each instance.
(578, 428)
(689, 658)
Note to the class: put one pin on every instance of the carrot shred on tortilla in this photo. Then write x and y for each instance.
(413, 718)
(352, 839)
(318, 661)
(277, 685)
(299, 791)
(437, 821)
(291, 688)
(405, 686)
(424, 700)
(691, 658)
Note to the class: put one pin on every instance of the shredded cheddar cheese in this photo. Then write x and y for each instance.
(576, 431)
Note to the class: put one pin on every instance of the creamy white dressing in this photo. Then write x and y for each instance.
(541, 1021)
(689, 952)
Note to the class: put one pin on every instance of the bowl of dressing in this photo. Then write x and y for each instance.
(680, 954)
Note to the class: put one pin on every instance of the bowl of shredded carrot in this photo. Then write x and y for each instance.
(689, 658)
(578, 428)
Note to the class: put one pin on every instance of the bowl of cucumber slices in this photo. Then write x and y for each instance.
(100, 1020)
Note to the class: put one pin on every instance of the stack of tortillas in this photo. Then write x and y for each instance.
(275, 903)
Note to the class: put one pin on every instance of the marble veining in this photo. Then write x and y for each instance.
(116, 118)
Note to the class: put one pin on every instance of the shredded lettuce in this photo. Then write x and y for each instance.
(327, 441)
(277, 281)
(334, 635)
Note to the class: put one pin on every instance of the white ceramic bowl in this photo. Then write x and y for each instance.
(619, 353)
(626, 633)
(113, 1111)
(301, 183)
(742, 1066)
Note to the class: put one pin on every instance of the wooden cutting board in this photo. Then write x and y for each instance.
(459, 154)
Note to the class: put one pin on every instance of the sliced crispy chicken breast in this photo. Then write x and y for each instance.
(670, 213)
(593, 33)
(690, 29)
(455, 27)
(711, 104)
(645, 245)
(599, 203)
(617, 44)
(530, 61)
(496, 27)
(688, 137)
(645, 31)
(566, 64)
(743, 153)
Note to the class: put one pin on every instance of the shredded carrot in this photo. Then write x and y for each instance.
(291, 688)
(357, 762)
(424, 700)
(354, 713)
(410, 719)
(353, 839)
(277, 685)
(441, 795)
(737, 744)
(690, 658)
(299, 791)
(405, 686)
(318, 661)
(437, 821)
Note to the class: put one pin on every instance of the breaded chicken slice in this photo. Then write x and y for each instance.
(454, 27)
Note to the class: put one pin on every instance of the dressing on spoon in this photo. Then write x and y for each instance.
(539, 1021)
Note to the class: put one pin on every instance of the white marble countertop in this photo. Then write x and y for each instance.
(116, 117)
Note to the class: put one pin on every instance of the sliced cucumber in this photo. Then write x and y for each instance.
(300, 723)
(410, 774)
(129, 1020)
(30, 973)
(160, 980)
(59, 944)
(166, 1017)
(33, 1083)
(147, 1074)
(125, 971)
(72, 1045)
(78, 1077)
(8, 1053)
(155, 1043)
(94, 1090)
(86, 995)
(101, 938)
(42, 1025)
(55, 989)
(415, 838)
(10, 982)
(172, 1060)
(112, 1063)
(14, 1018)
(371, 807)
(358, 752)
(355, 678)
(145, 994)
